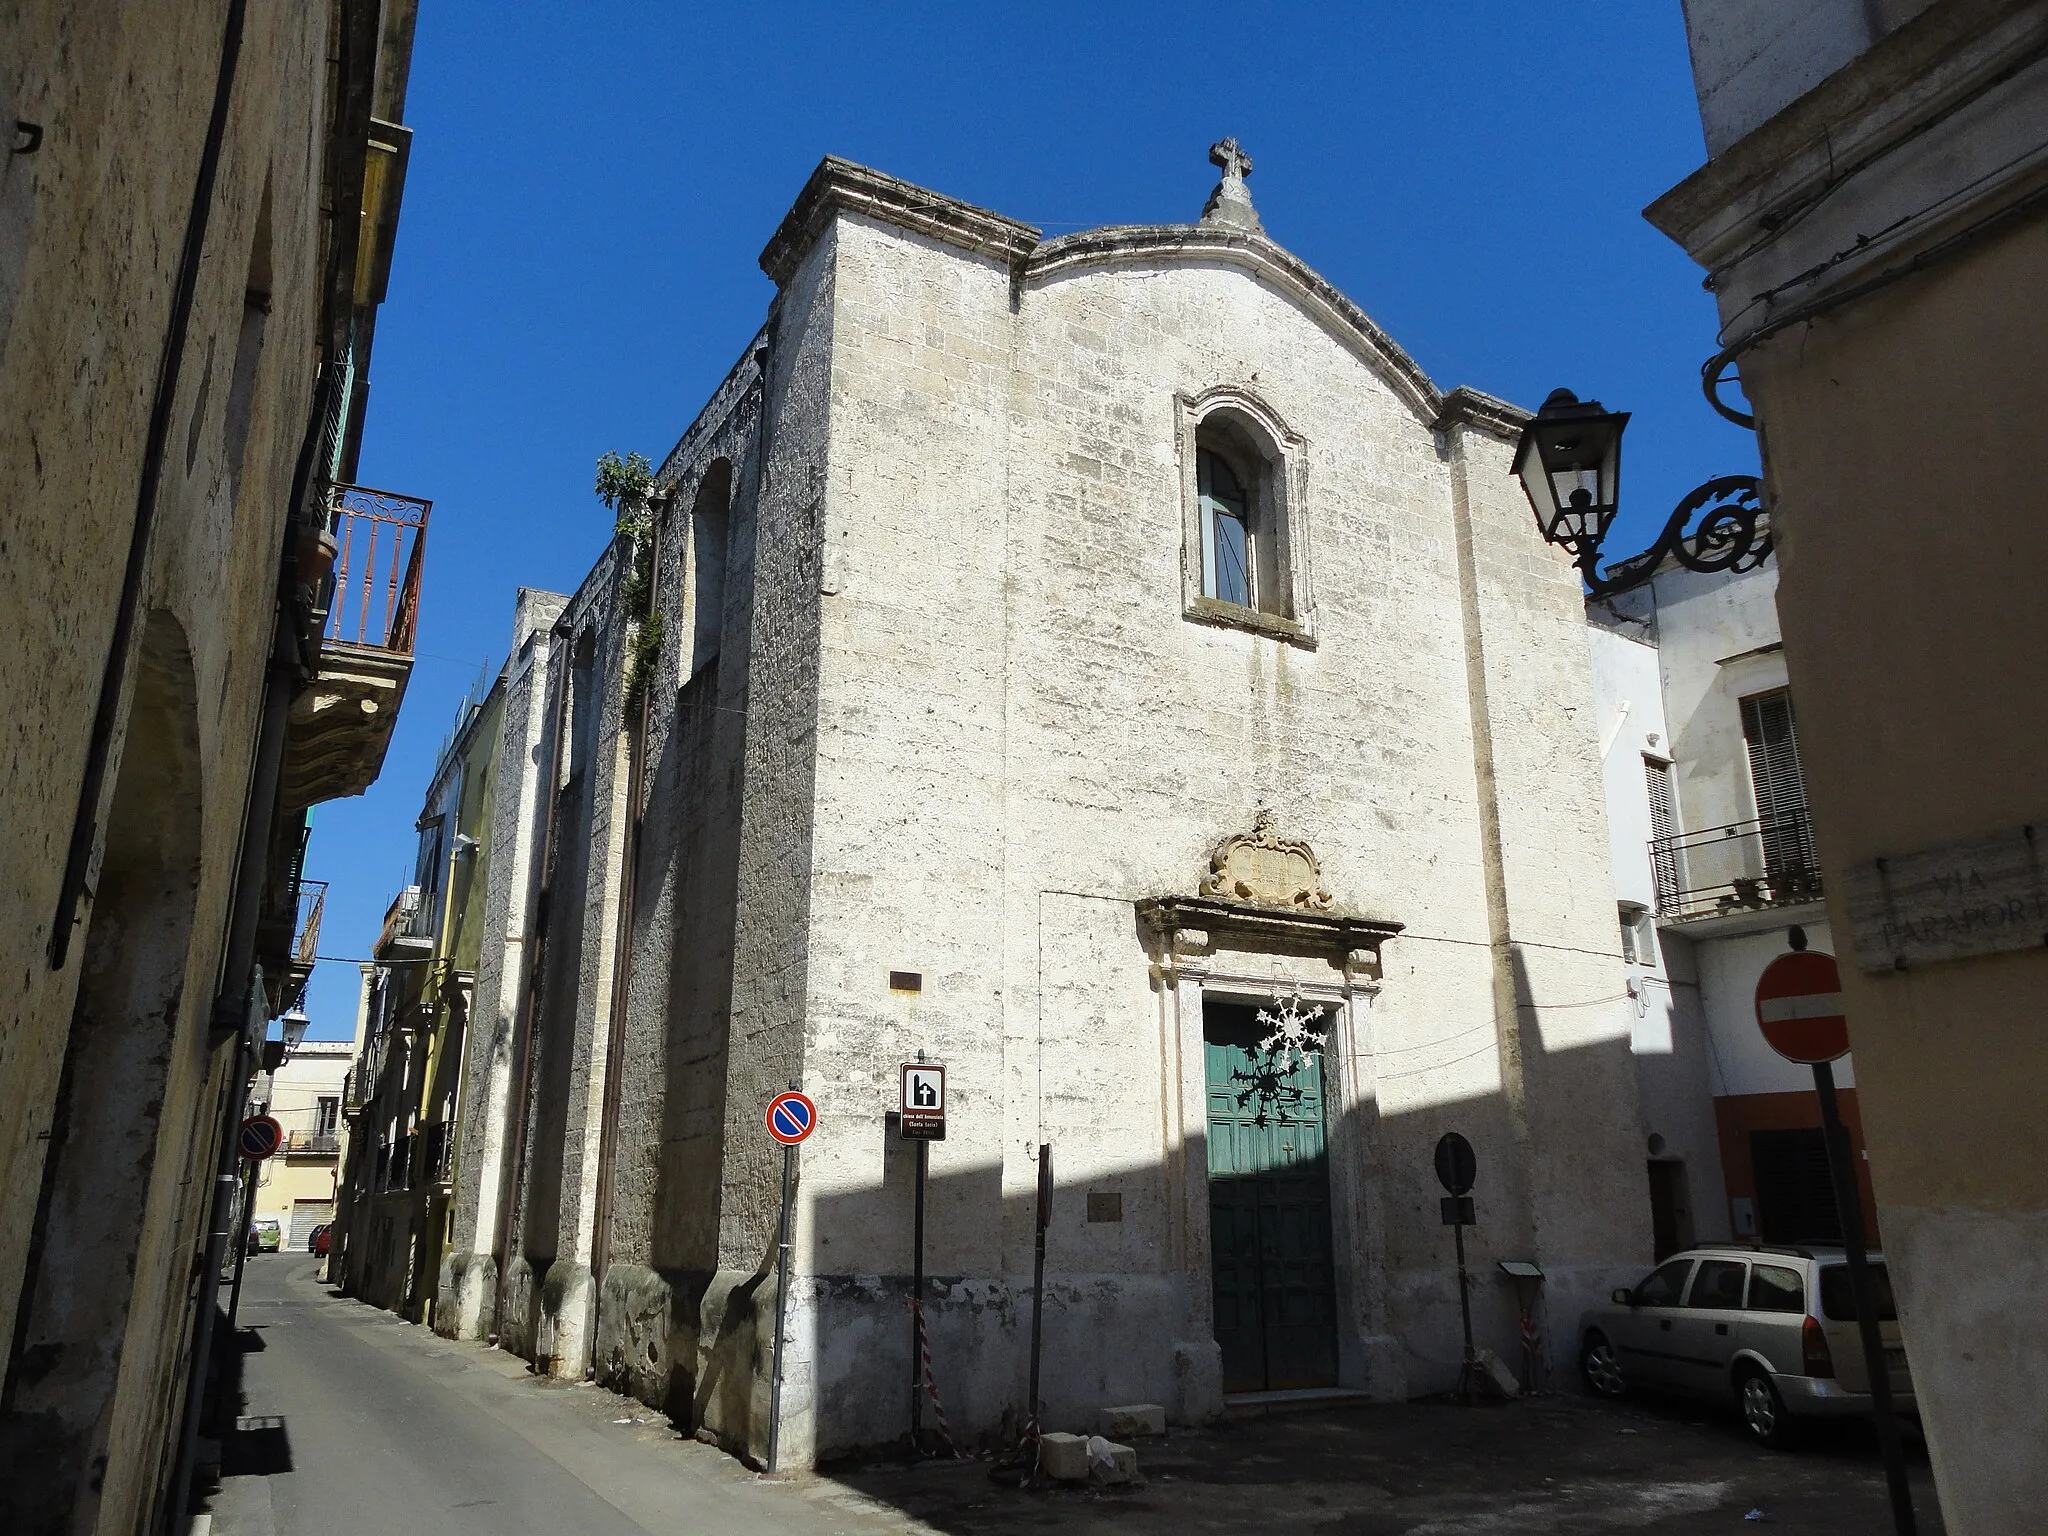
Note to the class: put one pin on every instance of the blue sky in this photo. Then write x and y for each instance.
(590, 187)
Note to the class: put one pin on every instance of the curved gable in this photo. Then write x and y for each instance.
(1157, 244)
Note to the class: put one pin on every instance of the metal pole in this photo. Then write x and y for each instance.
(781, 1310)
(1850, 1203)
(1464, 1311)
(1038, 1279)
(917, 1309)
(242, 1243)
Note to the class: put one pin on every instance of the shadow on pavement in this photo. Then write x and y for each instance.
(1557, 1464)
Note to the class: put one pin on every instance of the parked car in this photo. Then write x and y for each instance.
(264, 1235)
(316, 1242)
(1772, 1330)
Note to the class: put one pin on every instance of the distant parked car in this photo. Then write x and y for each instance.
(264, 1235)
(1772, 1330)
(317, 1242)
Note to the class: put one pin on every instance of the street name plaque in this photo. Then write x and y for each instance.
(1978, 896)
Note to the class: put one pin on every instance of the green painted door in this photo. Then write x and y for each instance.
(1269, 1209)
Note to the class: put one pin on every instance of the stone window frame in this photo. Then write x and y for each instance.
(1279, 512)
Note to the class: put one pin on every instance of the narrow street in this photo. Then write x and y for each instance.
(352, 1421)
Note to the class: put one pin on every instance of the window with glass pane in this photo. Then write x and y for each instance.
(1664, 1287)
(1773, 1288)
(1226, 531)
(1718, 1284)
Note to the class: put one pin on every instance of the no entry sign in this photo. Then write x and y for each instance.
(260, 1137)
(1799, 1007)
(791, 1117)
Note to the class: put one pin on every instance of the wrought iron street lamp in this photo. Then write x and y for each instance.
(1569, 463)
(294, 1025)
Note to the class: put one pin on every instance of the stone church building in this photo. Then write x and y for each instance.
(1070, 650)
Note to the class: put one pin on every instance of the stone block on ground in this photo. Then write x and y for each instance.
(1133, 1420)
(1063, 1457)
(1111, 1463)
(1491, 1376)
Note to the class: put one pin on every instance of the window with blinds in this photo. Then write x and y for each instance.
(1771, 733)
(1663, 831)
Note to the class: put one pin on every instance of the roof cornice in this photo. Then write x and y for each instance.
(1465, 407)
(840, 186)
(1124, 244)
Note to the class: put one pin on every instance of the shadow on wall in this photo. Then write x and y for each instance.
(1329, 1281)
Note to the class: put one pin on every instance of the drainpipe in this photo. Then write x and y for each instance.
(99, 748)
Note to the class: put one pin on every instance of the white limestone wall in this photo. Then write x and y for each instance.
(1678, 1071)
(1019, 736)
(467, 1305)
(1718, 641)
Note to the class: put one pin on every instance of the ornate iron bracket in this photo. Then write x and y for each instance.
(1731, 535)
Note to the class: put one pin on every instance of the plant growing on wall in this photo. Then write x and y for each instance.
(624, 485)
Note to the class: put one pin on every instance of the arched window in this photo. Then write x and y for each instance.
(1246, 546)
(1227, 560)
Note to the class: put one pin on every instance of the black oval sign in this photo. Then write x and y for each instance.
(1456, 1167)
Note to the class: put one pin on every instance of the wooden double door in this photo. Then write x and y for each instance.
(1269, 1207)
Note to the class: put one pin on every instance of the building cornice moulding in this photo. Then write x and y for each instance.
(1191, 244)
(1917, 136)
(840, 186)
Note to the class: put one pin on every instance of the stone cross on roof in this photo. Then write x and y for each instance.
(1231, 202)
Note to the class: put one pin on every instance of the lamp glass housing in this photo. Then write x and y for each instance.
(293, 1026)
(1569, 463)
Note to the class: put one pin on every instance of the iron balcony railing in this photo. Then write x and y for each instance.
(312, 907)
(380, 538)
(311, 1141)
(1746, 866)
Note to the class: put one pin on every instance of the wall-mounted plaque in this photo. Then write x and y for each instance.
(1980, 896)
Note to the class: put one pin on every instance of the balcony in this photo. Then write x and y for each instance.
(368, 610)
(311, 1144)
(404, 936)
(1748, 866)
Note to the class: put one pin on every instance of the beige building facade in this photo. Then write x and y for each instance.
(1874, 217)
(195, 224)
(1070, 649)
(296, 1188)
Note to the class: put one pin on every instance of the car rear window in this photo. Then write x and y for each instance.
(1839, 1305)
(1773, 1288)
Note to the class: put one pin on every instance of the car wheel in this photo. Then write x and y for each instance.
(1763, 1410)
(1601, 1367)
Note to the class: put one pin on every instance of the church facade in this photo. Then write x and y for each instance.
(1109, 667)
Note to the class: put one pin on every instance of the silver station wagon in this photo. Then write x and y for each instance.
(1771, 1329)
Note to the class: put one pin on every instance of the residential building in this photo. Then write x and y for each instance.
(1873, 220)
(1108, 666)
(1714, 866)
(403, 1103)
(198, 204)
(296, 1187)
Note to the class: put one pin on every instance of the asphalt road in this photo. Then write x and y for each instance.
(354, 1422)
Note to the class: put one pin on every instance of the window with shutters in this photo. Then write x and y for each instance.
(1663, 832)
(1771, 732)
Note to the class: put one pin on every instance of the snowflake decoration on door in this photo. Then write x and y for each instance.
(1282, 1052)
(1291, 1039)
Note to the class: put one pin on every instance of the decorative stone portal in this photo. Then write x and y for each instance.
(1266, 982)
